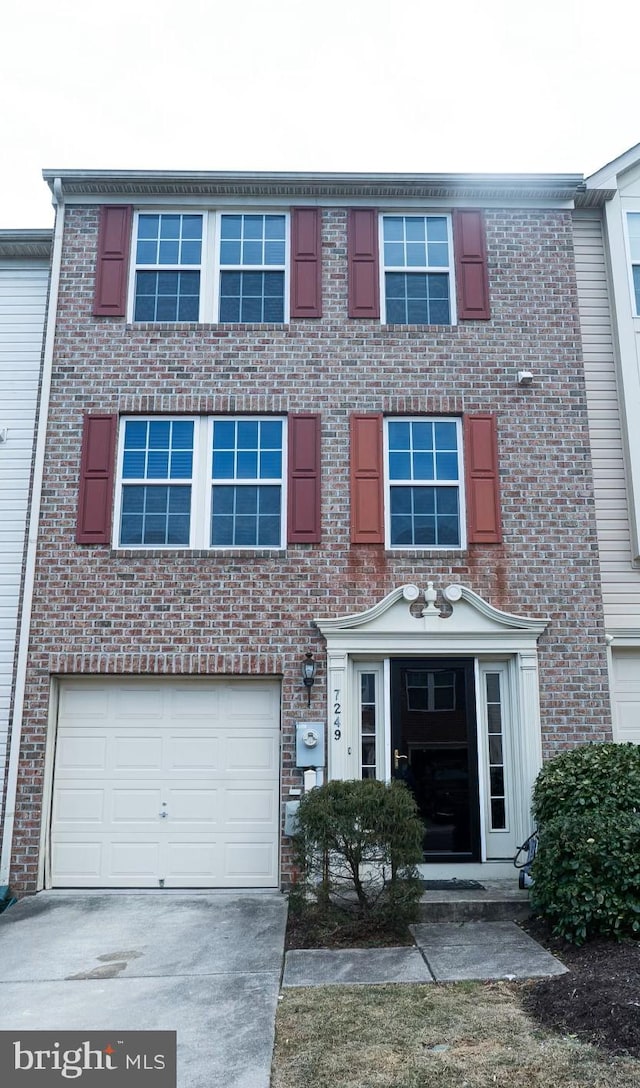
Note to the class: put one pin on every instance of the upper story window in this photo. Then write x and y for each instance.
(210, 266)
(168, 260)
(633, 222)
(417, 269)
(252, 268)
(424, 482)
(201, 483)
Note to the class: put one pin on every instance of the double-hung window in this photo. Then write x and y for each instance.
(252, 268)
(201, 483)
(168, 256)
(417, 270)
(633, 223)
(424, 482)
(247, 482)
(210, 266)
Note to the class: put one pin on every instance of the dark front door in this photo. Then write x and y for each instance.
(434, 750)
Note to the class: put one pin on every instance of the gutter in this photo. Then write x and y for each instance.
(32, 541)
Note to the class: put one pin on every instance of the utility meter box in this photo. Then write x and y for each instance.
(310, 744)
(291, 817)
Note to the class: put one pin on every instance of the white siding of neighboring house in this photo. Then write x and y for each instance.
(620, 578)
(23, 290)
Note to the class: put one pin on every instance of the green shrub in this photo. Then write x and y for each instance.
(356, 850)
(586, 874)
(582, 779)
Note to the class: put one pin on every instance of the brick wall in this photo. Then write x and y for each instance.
(97, 610)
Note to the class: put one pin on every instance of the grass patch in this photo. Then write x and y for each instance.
(383, 1037)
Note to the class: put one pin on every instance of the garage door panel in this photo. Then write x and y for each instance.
(204, 752)
(193, 805)
(137, 806)
(77, 860)
(252, 809)
(248, 859)
(137, 753)
(79, 807)
(133, 702)
(78, 753)
(193, 703)
(198, 752)
(133, 858)
(251, 753)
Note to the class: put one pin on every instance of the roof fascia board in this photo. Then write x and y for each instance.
(498, 188)
(25, 244)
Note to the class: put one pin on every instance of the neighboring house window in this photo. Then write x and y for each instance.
(168, 256)
(424, 504)
(633, 220)
(246, 508)
(430, 691)
(417, 269)
(252, 268)
(201, 483)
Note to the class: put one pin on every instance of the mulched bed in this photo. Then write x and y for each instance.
(309, 931)
(598, 1000)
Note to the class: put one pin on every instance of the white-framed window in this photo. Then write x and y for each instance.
(369, 689)
(168, 261)
(633, 227)
(252, 267)
(210, 266)
(424, 483)
(417, 270)
(215, 482)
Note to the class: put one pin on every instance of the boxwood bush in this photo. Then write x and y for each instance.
(587, 870)
(356, 850)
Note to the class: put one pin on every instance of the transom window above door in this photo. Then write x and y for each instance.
(201, 483)
(417, 269)
(210, 266)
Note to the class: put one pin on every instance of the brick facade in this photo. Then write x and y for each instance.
(97, 610)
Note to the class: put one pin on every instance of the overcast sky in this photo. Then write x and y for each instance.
(468, 85)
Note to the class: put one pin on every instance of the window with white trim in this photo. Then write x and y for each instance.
(633, 224)
(417, 270)
(252, 267)
(168, 256)
(201, 483)
(369, 682)
(210, 266)
(424, 483)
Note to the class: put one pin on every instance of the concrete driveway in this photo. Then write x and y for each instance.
(206, 965)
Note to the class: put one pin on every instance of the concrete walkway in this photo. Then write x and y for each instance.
(206, 965)
(446, 952)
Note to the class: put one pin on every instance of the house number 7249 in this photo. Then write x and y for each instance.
(337, 715)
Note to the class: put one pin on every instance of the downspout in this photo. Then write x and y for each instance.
(32, 541)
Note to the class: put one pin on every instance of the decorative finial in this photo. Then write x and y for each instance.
(430, 597)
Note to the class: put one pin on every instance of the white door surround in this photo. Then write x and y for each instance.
(408, 623)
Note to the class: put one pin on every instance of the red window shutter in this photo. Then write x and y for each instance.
(96, 479)
(306, 262)
(482, 479)
(114, 240)
(367, 520)
(472, 280)
(304, 480)
(364, 281)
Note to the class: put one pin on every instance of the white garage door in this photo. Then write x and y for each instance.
(166, 783)
(626, 694)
